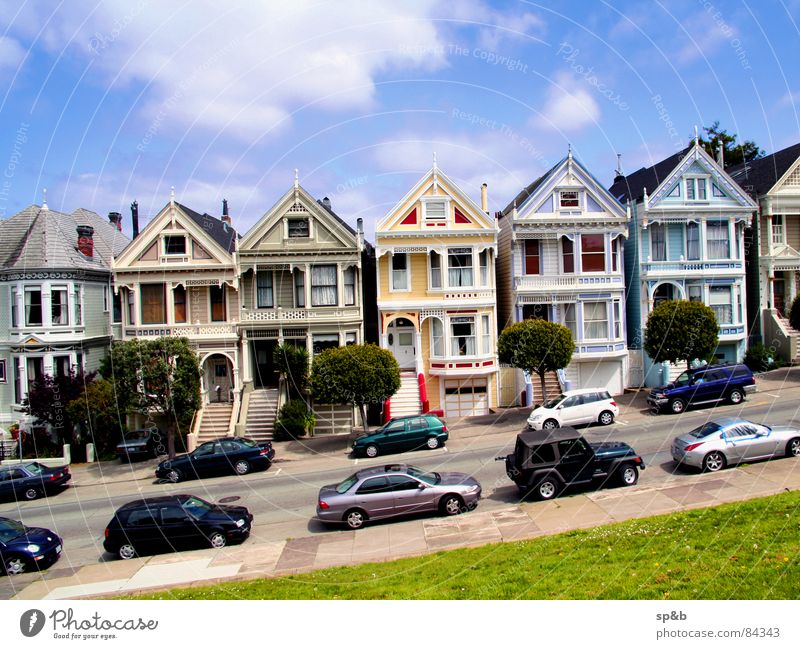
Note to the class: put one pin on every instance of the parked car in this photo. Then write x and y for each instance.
(167, 523)
(226, 455)
(545, 462)
(402, 434)
(24, 549)
(729, 440)
(144, 443)
(30, 480)
(707, 384)
(573, 407)
(394, 490)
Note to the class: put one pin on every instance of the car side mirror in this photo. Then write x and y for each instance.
(422, 486)
(559, 407)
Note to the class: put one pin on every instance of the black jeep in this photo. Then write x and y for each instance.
(546, 461)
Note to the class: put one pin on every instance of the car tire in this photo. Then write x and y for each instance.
(793, 447)
(627, 475)
(677, 406)
(735, 396)
(432, 443)
(31, 493)
(451, 505)
(217, 539)
(549, 424)
(242, 467)
(547, 488)
(355, 518)
(126, 551)
(606, 418)
(714, 461)
(174, 476)
(371, 451)
(16, 565)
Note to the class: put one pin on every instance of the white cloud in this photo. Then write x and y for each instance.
(495, 26)
(701, 36)
(791, 99)
(569, 106)
(11, 53)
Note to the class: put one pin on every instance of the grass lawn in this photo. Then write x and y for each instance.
(746, 550)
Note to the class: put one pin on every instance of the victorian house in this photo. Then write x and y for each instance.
(686, 242)
(774, 252)
(56, 301)
(435, 254)
(561, 259)
(178, 278)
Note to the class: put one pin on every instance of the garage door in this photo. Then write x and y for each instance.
(602, 374)
(466, 398)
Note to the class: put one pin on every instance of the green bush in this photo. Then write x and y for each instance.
(759, 358)
(294, 420)
(794, 313)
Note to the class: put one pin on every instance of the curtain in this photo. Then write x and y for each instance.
(718, 244)
(720, 300)
(459, 269)
(436, 269)
(658, 242)
(463, 340)
(595, 320)
(350, 286)
(323, 286)
(437, 331)
(58, 307)
(33, 308)
(264, 295)
(399, 272)
(692, 241)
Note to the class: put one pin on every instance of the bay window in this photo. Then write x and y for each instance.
(216, 296)
(299, 289)
(486, 335)
(399, 263)
(179, 303)
(154, 309)
(717, 239)
(116, 307)
(459, 267)
(658, 242)
(593, 253)
(567, 255)
(617, 320)
(33, 307)
(569, 320)
(615, 255)
(14, 310)
(436, 269)
(437, 338)
(595, 321)
(533, 257)
(483, 263)
(35, 367)
(692, 241)
(265, 297)
(323, 286)
(462, 340)
(349, 286)
(777, 230)
(131, 308)
(78, 297)
(719, 299)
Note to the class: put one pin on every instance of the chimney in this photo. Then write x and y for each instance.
(326, 203)
(485, 198)
(115, 219)
(86, 240)
(618, 176)
(360, 225)
(135, 218)
(225, 216)
(721, 155)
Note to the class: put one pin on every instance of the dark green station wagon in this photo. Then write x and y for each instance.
(402, 434)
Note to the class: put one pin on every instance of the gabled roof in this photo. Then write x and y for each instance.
(45, 238)
(757, 177)
(530, 189)
(341, 221)
(216, 228)
(632, 186)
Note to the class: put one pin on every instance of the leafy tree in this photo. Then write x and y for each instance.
(291, 362)
(679, 330)
(98, 411)
(357, 374)
(48, 398)
(294, 420)
(794, 313)
(732, 153)
(536, 346)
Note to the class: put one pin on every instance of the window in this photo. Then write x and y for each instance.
(33, 307)
(690, 196)
(299, 289)
(35, 371)
(61, 366)
(435, 211)
(617, 320)
(299, 228)
(717, 240)
(483, 263)
(533, 257)
(3, 371)
(405, 483)
(174, 245)
(436, 269)
(568, 199)
(179, 303)
(595, 321)
(131, 308)
(217, 299)
(399, 263)
(615, 255)
(350, 338)
(696, 189)
(172, 515)
(264, 294)
(141, 518)
(695, 293)
(116, 307)
(486, 335)
(544, 454)
(593, 253)
(374, 486)
(78, 297)
(777, 229)
(105, 299)
(78, 363)
(462, 336)
(692, 241)
(437, 334)
(658, 242)
(220, 370)
(349, 286)
(568, 255)
(572, 448)
(569, 320)
(716, 191)
(14, 310)
(153, 307)
(323, 286)
(18, 380)
(322, 342)
(459, 267)
(701, 189)
(719, 299)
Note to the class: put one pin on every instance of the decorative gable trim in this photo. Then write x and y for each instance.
(411, 218)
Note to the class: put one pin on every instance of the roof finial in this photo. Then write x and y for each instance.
(44, 199)
(172, 194)
(434, 159)
(514, 211)
(569, 150)
(296, 179)
(696, 137)
(619, 164)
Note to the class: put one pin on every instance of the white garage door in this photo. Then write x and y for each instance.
(602, 374)
(466, 398)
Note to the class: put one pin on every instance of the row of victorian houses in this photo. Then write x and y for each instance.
(444, 277)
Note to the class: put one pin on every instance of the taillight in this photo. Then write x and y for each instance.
(106, 532)
(444, 429)
(264, 451)
(691, 447)
(324, 505)
(614, 403)
(55, 476)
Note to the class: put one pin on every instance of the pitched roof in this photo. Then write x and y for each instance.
(336, 216)
(530, 189)
(757, 177)
(217, 229)
(632, 187)
(45, 238)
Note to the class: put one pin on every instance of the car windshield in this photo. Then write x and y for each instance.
(554, 402)
(196, 507)
(432, 478)
(705, 430)
(35, 468)
(136, 435)
(683, 379)
(10, 530)
(344, 485)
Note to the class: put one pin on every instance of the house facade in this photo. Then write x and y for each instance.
(686, 241)
(437, 313)
(561, 259)
(56, 298)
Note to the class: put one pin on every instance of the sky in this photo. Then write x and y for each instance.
(106, 102)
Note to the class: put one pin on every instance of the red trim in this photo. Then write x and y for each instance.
(437, 365)
(460, 218)
(411, 219)
(485, 363)
(423, 391)
(387, 410)
(463, 364)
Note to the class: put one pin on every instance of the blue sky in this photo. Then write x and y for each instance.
(106, 102)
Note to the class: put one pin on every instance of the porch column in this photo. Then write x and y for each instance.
(307, 290)
(169, 296)
(339, 285)
(769, 230)
(310, 345)
(418, 350)
(203, 387)
(247, 368)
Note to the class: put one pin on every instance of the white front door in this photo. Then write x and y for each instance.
(402, 344)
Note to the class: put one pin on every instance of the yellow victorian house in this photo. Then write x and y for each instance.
(436, 254)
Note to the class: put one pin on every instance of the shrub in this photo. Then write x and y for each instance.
(294, 420)
(794, 313)
(759, 358)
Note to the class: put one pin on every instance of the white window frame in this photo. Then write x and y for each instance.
(616, 309)
(3, 375)
(271, 288)
(105, 299)
(336, 285)
(694, 288)
(431, 285)
(65, 310)
(14, 308)
(463, 320)
(26, 291)
(483, 268)
(462, 252)
(586, 322)
(571, 306)
(486, 334)
(779, 230)
(708, 241)
(77, 301)
(436, 218)
(692, 188)
(175, 254)
(289, 219)
(662, 228)
(438, 350)
(351, 272)
(716, 290)
(561, 199)
(407, 287)
(299, 287)
(694, 225)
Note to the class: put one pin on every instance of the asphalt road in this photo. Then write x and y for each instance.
(283, 499)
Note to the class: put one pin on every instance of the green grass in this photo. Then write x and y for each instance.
(746, 550)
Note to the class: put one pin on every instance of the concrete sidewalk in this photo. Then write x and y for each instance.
(419, 536)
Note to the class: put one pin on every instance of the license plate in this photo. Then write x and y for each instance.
(58, 549)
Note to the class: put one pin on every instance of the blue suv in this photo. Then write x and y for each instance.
(707, 384)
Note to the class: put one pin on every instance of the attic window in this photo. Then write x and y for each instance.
(568, 199)
(298, 228)
(435, 211)
(174, 245)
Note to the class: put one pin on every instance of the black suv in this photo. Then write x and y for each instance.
(707, 384)
(546, 461)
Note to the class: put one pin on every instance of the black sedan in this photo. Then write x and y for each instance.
(23, 549)
(168, 523)
(138, 444)
(227, 455)
(29, 480)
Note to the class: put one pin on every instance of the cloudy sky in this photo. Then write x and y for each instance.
(104, 102)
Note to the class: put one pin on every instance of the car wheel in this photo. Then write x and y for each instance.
(15, 565)
(174, 475)
(550, 424)
(677, 406)
(126, 551)
(217, 540)
(735, 396)
(433, 442)
(451, 505)
(355, 519)
(714, 461)
(606, 418)
(242, 467)
(371, 451)
(546, 489)
(793, 447)
(31, 493)
(628, 475)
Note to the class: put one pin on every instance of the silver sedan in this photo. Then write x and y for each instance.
(395, 490)
(730, 440)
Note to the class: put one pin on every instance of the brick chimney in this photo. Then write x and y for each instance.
(86, 240)
(135, 218)
(225, 216)
(115, 219)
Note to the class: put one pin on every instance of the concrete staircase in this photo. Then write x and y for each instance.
(794, 334)
(214, 421)
(333, 419)
(406, 400)
(261, 414)
(552, 387)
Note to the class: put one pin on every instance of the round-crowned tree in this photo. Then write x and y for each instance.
(794, 313)
(679, 330)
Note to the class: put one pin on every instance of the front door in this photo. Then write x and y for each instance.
(576, 463)
(264, 372)
(402, 345)
(219, 388)
(778, 295)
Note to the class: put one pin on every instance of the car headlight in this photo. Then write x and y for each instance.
(240, 523)
(536, 417)
(32, 548)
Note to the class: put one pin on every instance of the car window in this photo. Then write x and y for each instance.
(4, 475)
(604, 396)
(17, 474)
(204, 449)
(570, 402)
(196, 507)
(374, 486)
(553, 402)
(431, 477)
(230, 447)
(141, 517)
(590, 398)
(572, 448)
(732, 433)
(741, 372)
(420, 423)
(683, 379)
(172, 514)
(34, 468)
(10, 529)
(402, 483)
(705, 430)
(345, 484)
(543, 454)
(748, 430)
(394, 427)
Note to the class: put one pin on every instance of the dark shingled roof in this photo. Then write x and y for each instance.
(336, 216)
(217, 229)
(530, 189)
(758, 176)
(632, 187)
(536, 437)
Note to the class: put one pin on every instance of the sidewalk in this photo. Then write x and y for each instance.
(394, 540)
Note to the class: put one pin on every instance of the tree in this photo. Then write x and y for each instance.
(357, 374)
(536, 346)
(733, 154)
(679, 330)
(98, 411)
(291, 362)
(794, 313)
(48, 398)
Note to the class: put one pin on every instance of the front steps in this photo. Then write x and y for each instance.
(262, 410)
(214, 421)
(406, 400)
